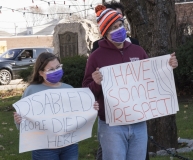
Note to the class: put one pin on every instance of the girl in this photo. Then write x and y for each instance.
(47, 75)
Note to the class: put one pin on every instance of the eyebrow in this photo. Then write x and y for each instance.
(54, 68)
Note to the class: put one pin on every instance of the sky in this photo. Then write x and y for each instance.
(9, 20)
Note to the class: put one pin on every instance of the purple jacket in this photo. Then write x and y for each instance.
(107, 54)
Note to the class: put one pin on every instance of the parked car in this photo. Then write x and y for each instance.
(14, 60)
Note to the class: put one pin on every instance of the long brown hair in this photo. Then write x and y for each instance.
(42, 60)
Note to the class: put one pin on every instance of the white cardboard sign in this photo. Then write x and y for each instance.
(55, 118)
(139, 91)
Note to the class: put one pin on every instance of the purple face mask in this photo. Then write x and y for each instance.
(119, 35)
(54, 76)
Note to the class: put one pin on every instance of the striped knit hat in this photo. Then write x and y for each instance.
(106, 17)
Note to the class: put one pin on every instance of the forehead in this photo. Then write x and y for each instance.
(52, 64)
(118, 23)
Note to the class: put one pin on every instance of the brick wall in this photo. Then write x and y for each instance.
(184, 12)
(3, 46)
(28, 41)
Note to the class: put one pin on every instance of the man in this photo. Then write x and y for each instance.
(119, 8)
(125, 142)
(28, 54)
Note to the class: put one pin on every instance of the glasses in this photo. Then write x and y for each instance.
(112, 28)
(53, 70)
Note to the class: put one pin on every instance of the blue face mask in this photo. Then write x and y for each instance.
(119, 35)
(54, 76)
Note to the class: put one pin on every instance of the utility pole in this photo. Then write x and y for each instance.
(84, 10)
(15, 29)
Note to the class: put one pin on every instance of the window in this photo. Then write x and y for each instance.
(38, 51)
(27, 54)
(51, 50)
(11, 54)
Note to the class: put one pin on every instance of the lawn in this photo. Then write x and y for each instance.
(9, 135)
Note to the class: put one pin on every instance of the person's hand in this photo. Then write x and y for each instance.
(173, 62)
(96, 105)
(17, 118)
(97, 76)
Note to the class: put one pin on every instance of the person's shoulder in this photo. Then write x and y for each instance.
(31, 87)
(35, 86)
(138, 47)
(135, 47)
(30, 90)
(64, 85)
(95, 45)
(96, 53)
(96, 42)
(139, 51)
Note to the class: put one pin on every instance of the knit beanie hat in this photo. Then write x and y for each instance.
(106, 17)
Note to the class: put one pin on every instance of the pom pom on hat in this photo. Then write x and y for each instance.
(99, 8)
(106, 17)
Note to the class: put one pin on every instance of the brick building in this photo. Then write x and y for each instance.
(38, 36)
(184, 16)
(184, 11)
(28, 41)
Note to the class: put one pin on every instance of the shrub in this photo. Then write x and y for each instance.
(184, 72)
(74, 68)
(25, 74)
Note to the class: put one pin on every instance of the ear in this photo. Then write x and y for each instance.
(41, 73)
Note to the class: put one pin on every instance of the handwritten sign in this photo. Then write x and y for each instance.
(55, 118)
(139, 91)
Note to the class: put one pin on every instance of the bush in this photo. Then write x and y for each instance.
(74, 68)
(184, 72)
(25, 74)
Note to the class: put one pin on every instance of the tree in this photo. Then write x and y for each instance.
(153, 23)
(83, 6)
(58, 9)
(34, 16)
(184, 22)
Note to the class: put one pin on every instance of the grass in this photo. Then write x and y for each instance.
(9, 135)
(184, 120)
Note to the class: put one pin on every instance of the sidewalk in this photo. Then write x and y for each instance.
(15, 84)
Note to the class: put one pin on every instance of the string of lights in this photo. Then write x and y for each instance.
(37, 26)
(20, 21)
(54, 2)
(24, 12)
(34, 9)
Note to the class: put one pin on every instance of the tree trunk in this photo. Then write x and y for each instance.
(153, 23)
